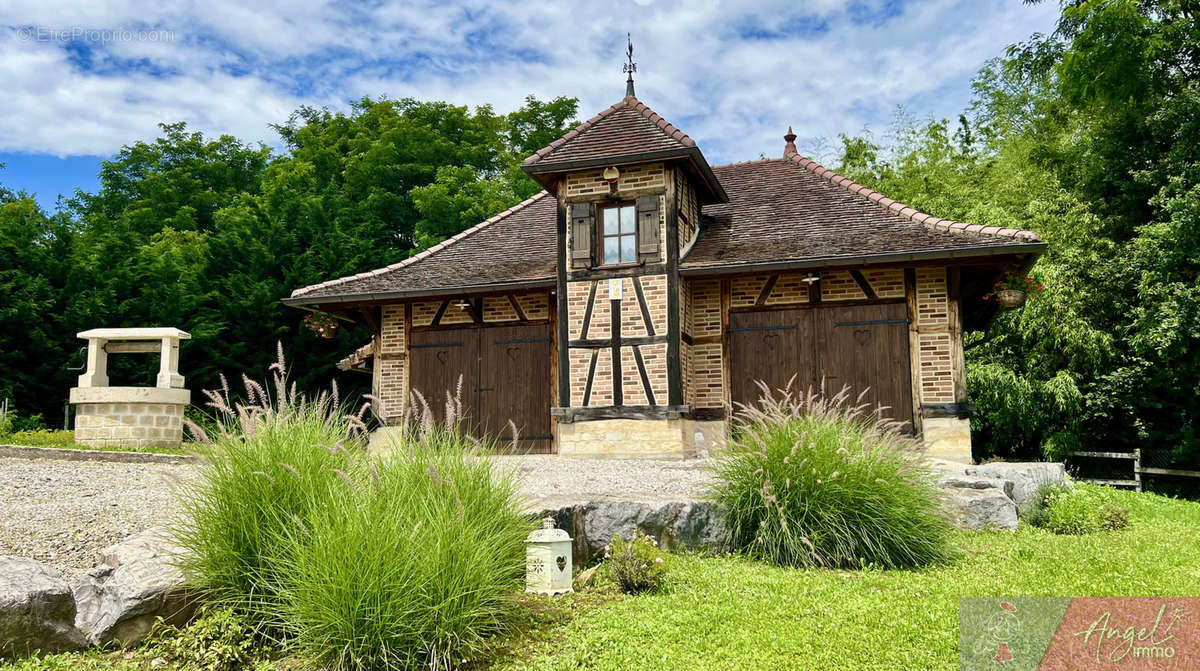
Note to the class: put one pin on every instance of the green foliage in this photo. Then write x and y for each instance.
(1088, 136)
(413, 565)
(636, 565)
(817, 481)
(726, 613)
(219, 639)
(276, 457)
(207, 234)
(1078, 509)
(39, 438)
(407, 559)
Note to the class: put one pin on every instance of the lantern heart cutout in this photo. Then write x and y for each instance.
(443, 355)
(562, 563)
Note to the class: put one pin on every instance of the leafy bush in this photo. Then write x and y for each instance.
(218, 640)
(412, 564)
(812, 480)
(274, 459)
(1078, 509)
(636, 565)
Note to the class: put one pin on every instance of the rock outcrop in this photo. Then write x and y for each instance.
(135, 582)
(37, 611)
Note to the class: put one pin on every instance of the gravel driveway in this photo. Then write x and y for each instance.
(64, 512)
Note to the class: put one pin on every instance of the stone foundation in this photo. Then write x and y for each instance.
(129, 416)
(640, 438)
(948, 438)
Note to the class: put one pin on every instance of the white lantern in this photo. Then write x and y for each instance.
(548, 560)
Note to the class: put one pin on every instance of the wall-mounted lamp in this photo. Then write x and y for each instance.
(812, 278)
(611, 175)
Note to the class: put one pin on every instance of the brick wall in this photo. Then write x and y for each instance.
(591, 182)
(689, 209)
(391, 366)
(936, 337)
(887, 282)
(840, 286)
(706, 385)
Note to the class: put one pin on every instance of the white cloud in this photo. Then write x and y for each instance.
(234, 68)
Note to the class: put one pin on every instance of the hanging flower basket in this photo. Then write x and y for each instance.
(1011, 291)
(321, 324)
(1010, 298)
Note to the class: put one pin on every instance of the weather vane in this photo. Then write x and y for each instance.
(630, 67)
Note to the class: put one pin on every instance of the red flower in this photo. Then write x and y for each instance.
(986, 297)
(1028, 279)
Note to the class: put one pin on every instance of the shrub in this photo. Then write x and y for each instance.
(411, 564)
(273, 460)
(812, 480)
(1078, 509)
(219, 639)
(637, 565)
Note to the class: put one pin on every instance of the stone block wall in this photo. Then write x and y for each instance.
(131, 425)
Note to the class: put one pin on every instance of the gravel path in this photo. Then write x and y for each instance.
(65, 512)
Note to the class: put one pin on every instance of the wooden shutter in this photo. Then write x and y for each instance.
(581, 234)
(647, 226)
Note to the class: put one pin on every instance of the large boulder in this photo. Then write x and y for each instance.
(136, 582)
(981, 507)
(676, 525)
(37, 611)
(1026, 477)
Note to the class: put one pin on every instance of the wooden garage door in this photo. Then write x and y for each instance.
(770, 347)
(865, 347)
(505, 373)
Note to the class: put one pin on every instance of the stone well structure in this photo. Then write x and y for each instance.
(130, 416)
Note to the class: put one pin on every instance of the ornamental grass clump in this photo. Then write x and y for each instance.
(268, 461)
(816, 480)
(412, 566)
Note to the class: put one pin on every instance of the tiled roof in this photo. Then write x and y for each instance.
(779, 211)
(517, 245)
(626, 128)
(792, 209)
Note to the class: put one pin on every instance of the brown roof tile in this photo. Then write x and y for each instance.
(779, 211)
(793, 209)
(517, 245)
(628, 127)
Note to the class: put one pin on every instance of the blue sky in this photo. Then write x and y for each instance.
(80, 82)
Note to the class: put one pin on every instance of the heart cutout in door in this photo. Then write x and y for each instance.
(443, 355)
(862, 336)
(514, 352)
(562, 563)
(771, 340)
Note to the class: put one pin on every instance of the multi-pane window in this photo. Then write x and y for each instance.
(619, 233)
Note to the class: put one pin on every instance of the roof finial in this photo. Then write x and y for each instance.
(630, 67)
(790, 139)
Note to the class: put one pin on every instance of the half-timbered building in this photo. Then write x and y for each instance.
(632, 305)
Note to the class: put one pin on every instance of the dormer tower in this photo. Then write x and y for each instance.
(629, 187)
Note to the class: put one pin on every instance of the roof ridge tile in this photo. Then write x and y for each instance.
(906, 211)
(424, 253)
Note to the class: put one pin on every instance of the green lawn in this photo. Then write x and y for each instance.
(730, 613)
(66, 439)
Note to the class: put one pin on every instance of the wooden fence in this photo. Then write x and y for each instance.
(1138, 469)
